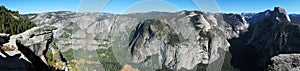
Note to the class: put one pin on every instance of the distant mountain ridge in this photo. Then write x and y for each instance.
(295, 18)
(186, 40)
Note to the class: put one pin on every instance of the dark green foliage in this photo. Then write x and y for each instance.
(131, 34)
(11, 22)
(164, 68)
(72, 28)
(227, 65)
(69, 55)
(147, 58)
(108, 61)
(65, 35)
(201, 67)
(54, 58)
(173, 39)
(151, 28)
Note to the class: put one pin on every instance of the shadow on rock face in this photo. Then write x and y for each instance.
(36, 61)
(244, 57)
(13, 63)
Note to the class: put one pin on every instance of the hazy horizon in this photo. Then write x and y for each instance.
(123, 7)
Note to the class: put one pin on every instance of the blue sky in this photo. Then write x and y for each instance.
(119, 6)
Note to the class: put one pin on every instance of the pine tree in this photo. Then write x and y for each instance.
(11, 25)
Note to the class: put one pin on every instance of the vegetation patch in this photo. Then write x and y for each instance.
(173, 39)
(71, 28)
(226, 64)
(201, 67)
(69, 56)
(11, 22)
(108, 60)
(154, 28)
(65, 35)
(131, 34)
(147, 58)
(164, 68)
(53, 60)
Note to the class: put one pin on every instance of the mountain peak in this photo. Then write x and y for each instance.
(280, 14)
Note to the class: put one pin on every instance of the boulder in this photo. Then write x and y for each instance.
(285, 62)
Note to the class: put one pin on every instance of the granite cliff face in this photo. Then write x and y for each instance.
(199, 40)
(186, 40)
(273, 35)
(29, 50)
(280, 37)
(149, 41)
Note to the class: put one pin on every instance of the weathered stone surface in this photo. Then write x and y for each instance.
(280, 14)
(285, 62)
(278, 38)
(29, 53)
(273, 35)
(197, 40)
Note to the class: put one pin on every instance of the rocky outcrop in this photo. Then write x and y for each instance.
(30, 51)
(197, 41)
(278, 38)
(280, 14)
(285, 62)
(274, 35)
